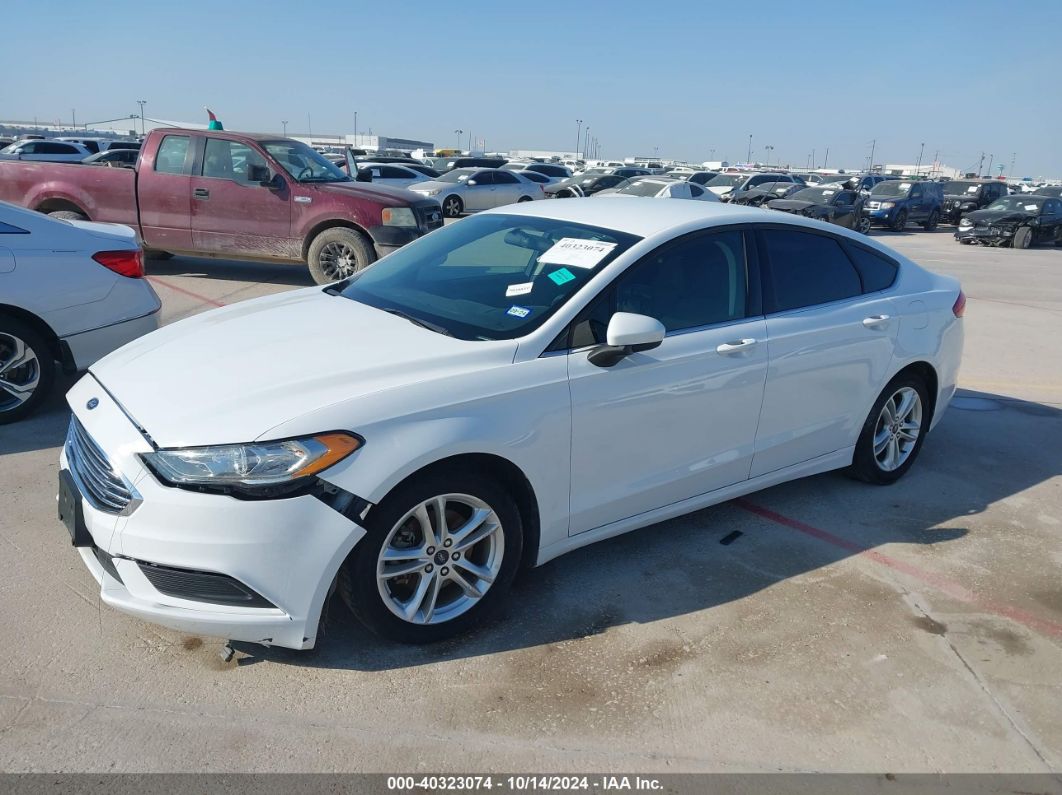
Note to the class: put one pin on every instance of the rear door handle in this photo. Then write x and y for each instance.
(875, 321)
(736, 345)
(201, 193)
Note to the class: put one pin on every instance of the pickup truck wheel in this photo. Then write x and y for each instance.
(338, 253)
(26, 370)
(68, 215)
(1023, 238)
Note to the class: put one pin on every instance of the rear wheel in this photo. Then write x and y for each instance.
(68, 215)
(338, 253)
(27, 370)
(523, 199)
(440, 554)
(453, 206)
(893, 433)
(899, 223)
(1023, 237)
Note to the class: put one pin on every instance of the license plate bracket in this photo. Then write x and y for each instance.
(71, 510)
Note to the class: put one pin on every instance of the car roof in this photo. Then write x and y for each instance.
(643, 216)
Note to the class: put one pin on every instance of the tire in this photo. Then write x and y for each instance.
(876, 467)
(863, 225)
(1023, 238)
(453, 206)
(965, 241)
(899, 223)
(375, 601)
(523, 199)
(155, 254)
(68, 215)
(931, 224)
(37, 372)
(337, 253)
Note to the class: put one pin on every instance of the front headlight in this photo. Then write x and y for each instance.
(255, 468)
(887, 205)
(399, 216)
(965, 222)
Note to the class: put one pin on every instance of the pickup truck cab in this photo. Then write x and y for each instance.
(213, 193)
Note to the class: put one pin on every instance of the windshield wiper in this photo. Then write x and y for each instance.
(417, 321)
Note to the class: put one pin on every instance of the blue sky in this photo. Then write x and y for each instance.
(686, 77)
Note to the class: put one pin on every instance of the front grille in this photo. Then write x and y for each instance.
(429, 214)
(202, 586)
(100, 484)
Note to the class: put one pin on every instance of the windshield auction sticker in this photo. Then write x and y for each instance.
(519, 289)
(576, 252)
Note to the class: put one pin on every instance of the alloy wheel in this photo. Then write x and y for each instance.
(20, 372)
(897, 429)
(338, 261)
(440, 559)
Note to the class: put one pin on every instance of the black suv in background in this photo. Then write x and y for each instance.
(963, 196)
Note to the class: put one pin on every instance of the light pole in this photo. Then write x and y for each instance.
(991, 157)
(284, 124)
(711, 155)
(918, 168)
(458, 134)
(578, 132)
(585, 141)
(748, 159)
(355, 128)
(141, 103)
(770, 151)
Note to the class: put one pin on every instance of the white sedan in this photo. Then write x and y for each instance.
(393, 174)
(514, 386)
(464, 190)
(70, 291)
(660, 188)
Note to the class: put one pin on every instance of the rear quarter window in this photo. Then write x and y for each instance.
(875, 271)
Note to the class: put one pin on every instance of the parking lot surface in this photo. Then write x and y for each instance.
(847, 627)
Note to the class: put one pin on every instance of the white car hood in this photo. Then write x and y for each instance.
(231, 375)
(721, 190)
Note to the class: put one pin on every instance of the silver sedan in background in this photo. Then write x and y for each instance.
(466, 190)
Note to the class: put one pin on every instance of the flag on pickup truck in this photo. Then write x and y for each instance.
(214, 123)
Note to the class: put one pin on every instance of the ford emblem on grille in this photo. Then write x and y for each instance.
(93, 402)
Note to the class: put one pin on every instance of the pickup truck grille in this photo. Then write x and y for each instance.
(104, 488)
(429, 215)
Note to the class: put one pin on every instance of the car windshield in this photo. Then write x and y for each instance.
(724, 180)
(457, 175)
(488, 277)
(1021, 204)
(959, 188)
(892, 187)
(304, 164)
(815, 195)
(642, 187)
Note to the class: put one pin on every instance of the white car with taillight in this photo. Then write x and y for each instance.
(70, 292)
(511, 387)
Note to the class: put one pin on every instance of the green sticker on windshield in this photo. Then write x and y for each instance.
(563, 276)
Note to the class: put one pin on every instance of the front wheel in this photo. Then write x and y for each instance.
(523, 199)
(1023, 237)
(68, 215)
(440, 554)
(864, 224)
(338, 253)
(453, 206)
(27, 370)
(899, 223)
(893, 433)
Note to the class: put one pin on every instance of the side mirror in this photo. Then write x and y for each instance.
(364, 175)
(471, 182)
(259, 174)
(627, 333)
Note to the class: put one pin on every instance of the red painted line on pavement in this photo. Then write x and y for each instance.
(949, 587)
(201, 298)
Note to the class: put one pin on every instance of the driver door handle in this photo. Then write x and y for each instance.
(201, 193)
(736, 345)
(875, 321)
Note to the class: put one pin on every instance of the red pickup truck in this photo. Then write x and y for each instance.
(234, 196)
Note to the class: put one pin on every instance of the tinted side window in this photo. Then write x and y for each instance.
(395, 173)
(482, 178)
(695, 282)
(696, 190)
(806, 269)
(172, 153)
(504, 178)
(7, 229)
(876, 271)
